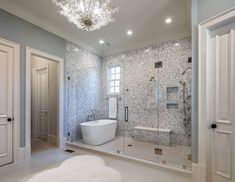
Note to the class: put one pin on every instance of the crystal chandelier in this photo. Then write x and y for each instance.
(86, 14)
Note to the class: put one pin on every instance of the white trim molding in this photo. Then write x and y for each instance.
(16, 96)
(60, 138)
(198, 172)
(22, 153)
(204, 30)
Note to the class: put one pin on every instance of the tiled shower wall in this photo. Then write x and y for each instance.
(83, 87)
(155, 103)
(149, 103)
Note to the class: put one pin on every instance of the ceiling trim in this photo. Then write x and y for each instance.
(23, 14)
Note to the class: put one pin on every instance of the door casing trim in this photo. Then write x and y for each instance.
(60, 139)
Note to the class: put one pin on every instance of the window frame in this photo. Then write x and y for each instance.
(110, 79)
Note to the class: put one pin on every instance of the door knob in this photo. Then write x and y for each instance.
(213, 126)
(9, 119)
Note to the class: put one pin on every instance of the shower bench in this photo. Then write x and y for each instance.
(159, 136)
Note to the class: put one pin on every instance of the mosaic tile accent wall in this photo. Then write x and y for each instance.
(83, 87)
(154, 95)
(147, 90)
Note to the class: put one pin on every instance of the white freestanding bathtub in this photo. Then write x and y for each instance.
(98, 132)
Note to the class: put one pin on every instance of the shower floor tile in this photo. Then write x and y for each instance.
(176, 155)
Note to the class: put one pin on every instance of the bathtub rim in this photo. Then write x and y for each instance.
(85, 124)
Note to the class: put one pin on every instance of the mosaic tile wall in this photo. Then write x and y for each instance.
(83, 87)
(154, 95)
(159, 102)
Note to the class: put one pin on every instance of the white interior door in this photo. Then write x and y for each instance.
(6, 103)
(41, 102)
(221, 105)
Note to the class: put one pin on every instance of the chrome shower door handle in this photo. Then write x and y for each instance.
(126, 114)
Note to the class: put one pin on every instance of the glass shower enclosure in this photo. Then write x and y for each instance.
(154, 103)
(157, 107)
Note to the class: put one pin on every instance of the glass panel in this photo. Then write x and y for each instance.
(111, 83)
(158, 99)
(118, 76)
(117, 89)
(111, 89)
(118, 69)
(112, 76)
(117, 83)
(141, 130)
(113, 70)
(175, 110)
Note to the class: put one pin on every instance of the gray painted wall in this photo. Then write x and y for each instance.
(210, 8)
(27, 34)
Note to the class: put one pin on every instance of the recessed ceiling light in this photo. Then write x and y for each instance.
(168, 20)
(101, 42)
(129, 32)
(76, 49)
(177, 44)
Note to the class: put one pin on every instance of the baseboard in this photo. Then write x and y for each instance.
(21, 152)
(27, 152)
(52, 139)
(199, 172)
(62, 142)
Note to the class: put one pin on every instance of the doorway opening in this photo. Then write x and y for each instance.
(44, 103)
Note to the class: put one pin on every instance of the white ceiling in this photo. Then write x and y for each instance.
(144, 17)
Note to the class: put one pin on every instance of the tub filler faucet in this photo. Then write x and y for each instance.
(92, 116)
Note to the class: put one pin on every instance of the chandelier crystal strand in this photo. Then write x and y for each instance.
(88, 15)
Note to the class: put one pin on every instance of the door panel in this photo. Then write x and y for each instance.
(6, 86)
(41, 97)
(221, 104)
(223, 157)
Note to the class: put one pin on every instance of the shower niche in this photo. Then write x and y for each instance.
(172, 98)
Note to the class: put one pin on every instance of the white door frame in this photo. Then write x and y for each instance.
(34, 52)
(16, 97)
(204, 29)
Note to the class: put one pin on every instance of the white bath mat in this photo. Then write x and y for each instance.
(80, 169)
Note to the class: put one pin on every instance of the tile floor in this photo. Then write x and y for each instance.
(51, 157)
(38, 145)
(177, 156)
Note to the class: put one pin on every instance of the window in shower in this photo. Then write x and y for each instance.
(114, 80)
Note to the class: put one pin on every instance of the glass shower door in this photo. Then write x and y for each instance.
(141, 111)
(157, 108)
